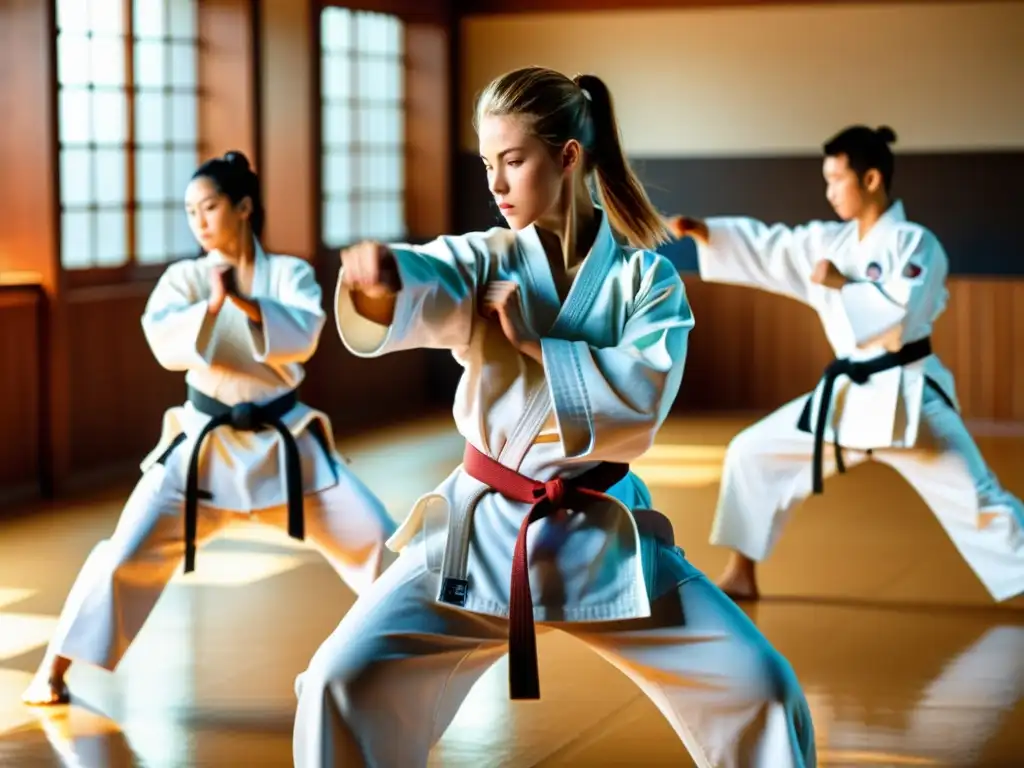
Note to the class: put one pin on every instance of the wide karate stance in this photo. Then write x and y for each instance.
(878, 283)
(573, 348)
(241, 323)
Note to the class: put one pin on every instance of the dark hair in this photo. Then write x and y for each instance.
(865, 148)
(561, 109)
(232, 176)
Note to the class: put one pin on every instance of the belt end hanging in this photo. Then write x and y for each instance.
(523, 680)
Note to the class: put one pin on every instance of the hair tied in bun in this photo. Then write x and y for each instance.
(237, 160)
(886, 134)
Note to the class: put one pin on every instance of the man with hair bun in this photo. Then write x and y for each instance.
(878, 283)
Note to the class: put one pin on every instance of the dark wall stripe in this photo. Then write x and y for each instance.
(971, 201)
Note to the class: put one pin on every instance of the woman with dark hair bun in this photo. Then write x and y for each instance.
(241, 323)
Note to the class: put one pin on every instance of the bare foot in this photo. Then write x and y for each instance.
(46, 693)
(739, 581)
(48, 688)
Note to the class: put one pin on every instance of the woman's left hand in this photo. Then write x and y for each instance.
(250, 307)
(502, 300)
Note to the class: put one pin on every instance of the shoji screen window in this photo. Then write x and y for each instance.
(363, 126)
(128, 131)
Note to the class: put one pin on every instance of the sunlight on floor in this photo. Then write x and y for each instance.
(235, 569)
(681, 466)
(11, 595)
(24, 632)
(13, 714)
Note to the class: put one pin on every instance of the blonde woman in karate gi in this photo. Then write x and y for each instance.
(573, 348)
(878, 283)
(241, 323)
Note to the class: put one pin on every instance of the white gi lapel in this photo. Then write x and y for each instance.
(261, 272)
(588, 283)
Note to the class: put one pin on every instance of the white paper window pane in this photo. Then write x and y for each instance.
(75, 116)
(394, 218)
(110, 121)
(72, 15)
(338, 222)
(369, 131)
(111, 238)
(75, 177)
(151, 235)
(369, 74)
(107, 16)
(367, 219)
(183, 18)
(336, 76)
(152, 184)
(73, 59)
(149, 18)
(184, 122)
(183, 165)
(76, 248)
(382, 224)
(183, 65)
(393, 42)
(150, 118)
(337, 173)
(394, 89)
(369, 175)
(337, 128)
(335, 29)
(369, 31)
(396, 172)
(110, 169)
(150, 63)
(107, 60)
(394, 127)
(182, 241)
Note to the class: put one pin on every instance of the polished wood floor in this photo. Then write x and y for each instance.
(905, 660)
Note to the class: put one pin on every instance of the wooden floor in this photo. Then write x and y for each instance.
(904, 659)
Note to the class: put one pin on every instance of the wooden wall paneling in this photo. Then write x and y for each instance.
(474, 7)
(21, 392)
(754, 351)
(429, 146)
(120, 392)
(228, 77)
(29, 199)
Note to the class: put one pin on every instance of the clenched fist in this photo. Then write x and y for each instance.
(827, 274)
(370, 268)
(684, 226)
(502, 301)
(221, 281)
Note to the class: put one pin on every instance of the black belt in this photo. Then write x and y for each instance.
(245, 417)
(858, 372)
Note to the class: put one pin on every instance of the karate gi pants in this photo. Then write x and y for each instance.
(123, 577)
(382, 689)
(768, 472)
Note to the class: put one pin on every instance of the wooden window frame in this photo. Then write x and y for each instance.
(131, 271)
(356, 150)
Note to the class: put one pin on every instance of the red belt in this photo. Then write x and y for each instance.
(546, 498)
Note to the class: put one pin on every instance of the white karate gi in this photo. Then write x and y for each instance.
(227, 358)
(898, 415)
(385, 685)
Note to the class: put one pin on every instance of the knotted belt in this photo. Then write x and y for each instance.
(546, 498)
(245, 417)
(858, 372)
